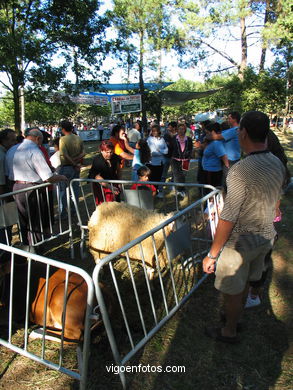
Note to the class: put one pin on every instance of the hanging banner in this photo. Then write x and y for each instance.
(89, 99)
(82, 98)
(125, 104)
(89, 135)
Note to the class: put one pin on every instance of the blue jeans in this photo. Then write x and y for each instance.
(71, 173)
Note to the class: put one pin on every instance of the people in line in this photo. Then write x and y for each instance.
(181, 147)
(200, 144)
(25, 165)
(121, 145)
(245, 232)
(106, 165)
(71, 155)
(101, 131)
(46, 198)
(230, 138)
(142, 156)
(7, 140)
(134, 134)
(168, 136)
(255, 287)
(159, 149)
(214, 157)
(274, 146)
(55, 158)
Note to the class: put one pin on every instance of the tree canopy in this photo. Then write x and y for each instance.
(32, 32)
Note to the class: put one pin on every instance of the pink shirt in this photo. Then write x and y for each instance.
(181, 142)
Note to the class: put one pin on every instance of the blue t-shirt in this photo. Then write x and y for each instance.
(212, 154)
(232, 143)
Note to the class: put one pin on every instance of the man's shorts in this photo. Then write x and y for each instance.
(234, 268)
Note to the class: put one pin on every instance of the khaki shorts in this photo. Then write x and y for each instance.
(235, 269)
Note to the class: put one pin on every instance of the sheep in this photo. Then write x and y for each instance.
(113, 225)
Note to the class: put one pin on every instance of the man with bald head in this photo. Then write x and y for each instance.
(26, 167)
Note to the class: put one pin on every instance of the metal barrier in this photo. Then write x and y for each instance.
(144, 306)
(22, 280)
(34, 223)
(171, 201)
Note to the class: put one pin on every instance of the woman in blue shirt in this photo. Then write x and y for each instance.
(214, 156)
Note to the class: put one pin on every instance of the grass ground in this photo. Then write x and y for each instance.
(262, 361)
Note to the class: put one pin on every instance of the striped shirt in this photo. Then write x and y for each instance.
(253, 189)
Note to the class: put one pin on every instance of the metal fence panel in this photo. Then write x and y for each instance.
(34, 225)
(19, 293)
(144, 306)
(86, 205)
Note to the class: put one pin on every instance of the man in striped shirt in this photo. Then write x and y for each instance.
(245, 231)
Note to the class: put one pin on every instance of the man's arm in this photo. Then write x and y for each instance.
(225, 160)
(223, 232)
(56, 178)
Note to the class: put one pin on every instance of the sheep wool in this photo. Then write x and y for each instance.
(113, 225)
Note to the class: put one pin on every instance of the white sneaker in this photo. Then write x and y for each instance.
(160, 195)
(252, 302)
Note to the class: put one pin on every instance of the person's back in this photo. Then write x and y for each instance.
(133, 135)
(71, 155)
(232, 144)
(245, 232)
(231, 137)
(72, 145)
(254, 183)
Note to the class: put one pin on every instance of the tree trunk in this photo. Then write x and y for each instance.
(262, 59)
(17, 111)
(22, 109)
(264, 49)
(243, 64)
(141, 83)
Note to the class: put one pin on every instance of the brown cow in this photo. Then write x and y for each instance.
(76, 302)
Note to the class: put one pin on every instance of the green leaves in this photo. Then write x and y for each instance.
(32, 32)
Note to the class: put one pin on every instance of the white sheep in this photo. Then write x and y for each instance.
(113, 225)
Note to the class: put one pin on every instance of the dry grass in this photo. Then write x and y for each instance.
(262, 361)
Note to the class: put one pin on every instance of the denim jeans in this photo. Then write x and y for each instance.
(71, 173)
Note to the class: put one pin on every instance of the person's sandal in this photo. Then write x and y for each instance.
(216, 334)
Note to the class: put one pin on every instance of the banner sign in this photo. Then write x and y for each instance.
(126, 103)
(89, 99)
(81, 98)
(89, 135)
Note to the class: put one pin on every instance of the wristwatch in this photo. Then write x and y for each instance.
(212, 257)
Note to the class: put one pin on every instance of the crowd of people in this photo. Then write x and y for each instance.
(241, 155)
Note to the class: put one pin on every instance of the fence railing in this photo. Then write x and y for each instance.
(32, 216)
(174, 250)
(24, 275)
(171, 201)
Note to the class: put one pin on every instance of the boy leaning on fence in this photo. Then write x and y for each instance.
(245, 232)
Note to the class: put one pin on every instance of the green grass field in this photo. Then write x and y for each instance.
(262, 360)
